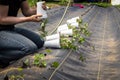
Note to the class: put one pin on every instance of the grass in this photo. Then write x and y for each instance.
(49, 4)
(53, 4)
(58, 3)
(118, 6)
(100, 4)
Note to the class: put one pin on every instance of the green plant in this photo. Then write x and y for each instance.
(33, 2)
(100, 4)
(20, 76)
(25, 63)
(42, 28)
(79, 35)
(39, 60)
(16, 77)
(64, 2)
(55, 64)
(104, 5)
(82, 58)
(43, 64)
(66, 43)
(48, 50)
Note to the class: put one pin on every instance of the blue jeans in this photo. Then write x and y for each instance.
(18, 42)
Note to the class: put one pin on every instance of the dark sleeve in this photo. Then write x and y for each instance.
(4, 2)
(23, 0)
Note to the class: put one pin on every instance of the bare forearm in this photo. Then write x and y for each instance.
(27, 10)
(13, 20)
(31, 11)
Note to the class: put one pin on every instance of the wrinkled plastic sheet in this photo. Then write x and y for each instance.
(101, 63)
(34, 73)
(54, 17)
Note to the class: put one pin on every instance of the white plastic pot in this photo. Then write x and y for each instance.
(52, 37)
(68, 32)
(115, 2)
(72, 20)
(40, 10)
(62, 27)
(52, 43)
(76, 24)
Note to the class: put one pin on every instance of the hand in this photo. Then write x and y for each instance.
(35, 18)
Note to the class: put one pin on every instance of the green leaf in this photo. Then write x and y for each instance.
(20, 69)
(55, 64)
(36, 62)
(48, 50)
(26, 61)
(43, 64)
(81, 58)
(39, 56)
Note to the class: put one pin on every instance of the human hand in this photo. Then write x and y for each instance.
(35, 18)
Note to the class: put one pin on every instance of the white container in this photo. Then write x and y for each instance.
(68, 32)
(62, 27)
(76, 24)
(115, 2)
(73, 20)
(51, 37)
(52, 43)
(40, 10)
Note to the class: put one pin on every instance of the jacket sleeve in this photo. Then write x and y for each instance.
(23, 0)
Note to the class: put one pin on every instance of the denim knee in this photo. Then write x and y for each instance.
(36, 38)
(12, 47)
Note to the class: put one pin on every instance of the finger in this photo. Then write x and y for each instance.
(39, 15)
(38, 19)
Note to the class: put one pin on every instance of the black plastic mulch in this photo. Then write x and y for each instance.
(34, 73)
(101, 63)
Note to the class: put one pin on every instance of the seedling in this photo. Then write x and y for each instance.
(43, 64)
(48, 50)
(55, 64)
(64, 2)
(33, 2)
(42, 28)
(25, 63)
(39, 60)
(79, 34)
(66, 43)
(16, 77)
(82, 58)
